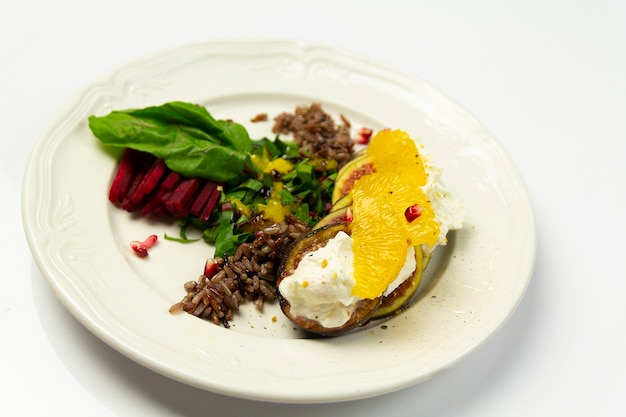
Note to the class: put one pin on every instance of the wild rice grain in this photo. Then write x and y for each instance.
(316, 134)
(190, 286)
(247, 275)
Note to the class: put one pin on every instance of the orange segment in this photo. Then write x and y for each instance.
(393, 151)
(380, 230)
(379, 244)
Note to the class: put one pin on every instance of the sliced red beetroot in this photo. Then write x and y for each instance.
(122, 177)
(202, 198)
(153, 202)
(126, 172)
(142, 166)
(210, 205)
(171, 181)
(160, 211)
(143, 182)
(181, 196)
(149, 182)
(156, 199)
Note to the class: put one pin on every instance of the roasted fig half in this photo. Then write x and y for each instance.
(330, 310)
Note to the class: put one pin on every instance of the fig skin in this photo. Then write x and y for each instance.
(343, 202)
(342, 215)
(308, 243)
(360, 316)
(358, 166)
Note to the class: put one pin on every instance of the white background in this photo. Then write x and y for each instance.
(547, 77)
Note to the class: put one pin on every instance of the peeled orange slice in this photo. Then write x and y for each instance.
(381, 230)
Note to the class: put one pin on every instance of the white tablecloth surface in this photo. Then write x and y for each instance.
(548, 78)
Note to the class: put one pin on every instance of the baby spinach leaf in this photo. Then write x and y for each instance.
(185, 135)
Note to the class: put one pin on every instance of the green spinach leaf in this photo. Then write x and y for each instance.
(185, 135)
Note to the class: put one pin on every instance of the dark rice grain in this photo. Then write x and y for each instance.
(247, 275)
(316, 134)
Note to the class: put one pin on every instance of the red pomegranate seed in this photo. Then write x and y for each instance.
(150, 241)
(141, 248)
(210, 267)
(349, 216)
(413, 212)
(364, 135)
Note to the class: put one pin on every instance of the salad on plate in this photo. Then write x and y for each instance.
(334, 221)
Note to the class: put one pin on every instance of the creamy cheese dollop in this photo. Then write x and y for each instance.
(449, 211)
(320, 288)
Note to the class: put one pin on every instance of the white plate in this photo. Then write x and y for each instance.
(80, 241)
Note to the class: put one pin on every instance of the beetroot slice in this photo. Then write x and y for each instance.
(149, 182)
(181, 196)
(145, 183)
(160, 211)
(210, 205)
(171, 181)
(124, 175)
(141, 169)
(155, 201)
(201, 199)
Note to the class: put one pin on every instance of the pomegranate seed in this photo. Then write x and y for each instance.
(210, 267)
(363, 136)
(141, 248)
(150, 241)
(413, 212)
(349, 217)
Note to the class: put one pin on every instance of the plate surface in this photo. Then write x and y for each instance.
(80, 241)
